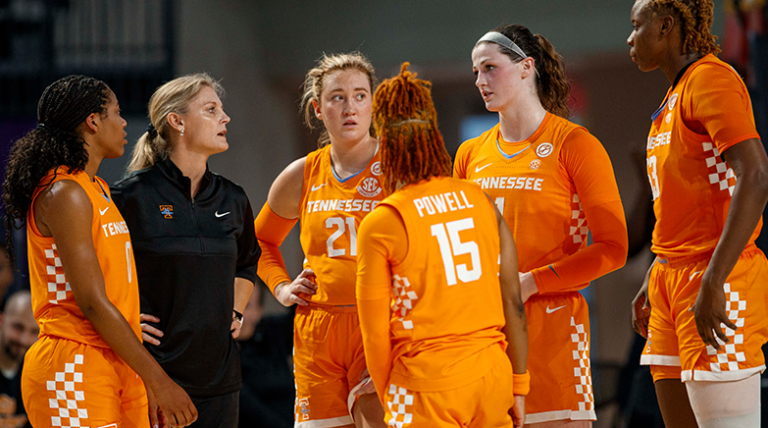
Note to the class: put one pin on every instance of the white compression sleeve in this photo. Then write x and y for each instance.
(726, 404)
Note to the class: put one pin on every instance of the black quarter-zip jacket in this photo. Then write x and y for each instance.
(188, 253)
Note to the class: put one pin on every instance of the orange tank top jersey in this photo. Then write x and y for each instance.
(532, 189)
(446, 298)
(707, 112)
(53, 303)
(330, 212)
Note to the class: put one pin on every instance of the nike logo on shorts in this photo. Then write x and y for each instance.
(549, 311)
(221, 215)
(480, 168)
(317, 187)
(103, 211)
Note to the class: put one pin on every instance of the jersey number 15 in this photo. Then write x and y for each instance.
(450, 248)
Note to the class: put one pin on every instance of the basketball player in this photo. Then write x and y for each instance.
(553, 182)
(330, 191)
(708, 172)
(442, 258)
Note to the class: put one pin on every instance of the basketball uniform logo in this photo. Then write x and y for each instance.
(369, 187)
(166, 211)
(304, 409)
(376, 168)
(672, 102)
(535, 164)
(544, 150)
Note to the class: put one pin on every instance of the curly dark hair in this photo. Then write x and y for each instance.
(64, 105)
(696, 23)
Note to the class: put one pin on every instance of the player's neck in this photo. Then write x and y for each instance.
(672, 65)
(94, 160)
(192, 165)
(349, 158)
(520, 121)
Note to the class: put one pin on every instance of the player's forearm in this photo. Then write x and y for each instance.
(749, 198)
(243, 289)
(117, 333)
(374, 325)
(516, 332)
(271, 268)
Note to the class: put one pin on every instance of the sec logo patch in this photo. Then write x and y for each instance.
(544, 150)
(369, 187)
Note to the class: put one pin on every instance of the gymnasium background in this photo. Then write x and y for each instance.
(261, 49)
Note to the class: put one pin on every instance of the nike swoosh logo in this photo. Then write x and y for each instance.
(694, 274)
(222, 214)
(549, 311)
(103, 211)
(480, 168)
(317, 187)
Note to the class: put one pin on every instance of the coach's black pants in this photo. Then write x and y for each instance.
(219, 411)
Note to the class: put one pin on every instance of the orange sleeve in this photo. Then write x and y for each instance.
(271, 230)
(380, 243)
(460, 161)
(589, 166)
(719, 101)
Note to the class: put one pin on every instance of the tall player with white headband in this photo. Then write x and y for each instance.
(554, 184)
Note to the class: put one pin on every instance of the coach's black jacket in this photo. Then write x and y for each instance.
(188, 253)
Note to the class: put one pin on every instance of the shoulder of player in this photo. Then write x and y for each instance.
(64, 196)
(707, 69)
(476, 142)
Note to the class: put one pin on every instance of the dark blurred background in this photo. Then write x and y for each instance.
(261, 49)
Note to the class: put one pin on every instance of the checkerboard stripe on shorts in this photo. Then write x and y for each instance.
(582, 371)
(69, 402)
(732, 353)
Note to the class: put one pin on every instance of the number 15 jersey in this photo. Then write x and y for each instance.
(331, 210)
(704, 114)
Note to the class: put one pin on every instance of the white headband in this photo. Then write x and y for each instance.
(500, 39)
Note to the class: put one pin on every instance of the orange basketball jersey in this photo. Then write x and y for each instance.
(534, 191)
(330, 212)
(707, 112)
(445, 294)
(53, 303)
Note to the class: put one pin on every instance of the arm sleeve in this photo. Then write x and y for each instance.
(722, 106)
(270, 230)
(380, 243)
(589, 166)
(460, 162)
(248, 249)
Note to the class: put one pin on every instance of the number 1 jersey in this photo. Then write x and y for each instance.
(331, 210)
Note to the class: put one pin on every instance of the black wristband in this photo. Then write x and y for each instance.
(238, 316)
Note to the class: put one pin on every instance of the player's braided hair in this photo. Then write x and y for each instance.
(313, 84)
(695, 23)
(551, 83)
(412, 148)
(64, 105)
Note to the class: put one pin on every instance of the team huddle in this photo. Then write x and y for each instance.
(428, 281)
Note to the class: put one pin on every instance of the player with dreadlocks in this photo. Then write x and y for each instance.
(431, 252)
(708, 172)
(83, 370)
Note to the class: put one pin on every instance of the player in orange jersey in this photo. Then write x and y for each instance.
(330, 191)
(437, 286)
(553, 182)
(709, 176)
(84, 371)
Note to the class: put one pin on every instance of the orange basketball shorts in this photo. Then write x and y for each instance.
(71, 384)
(328, 360)
(558, 358)
(674, 349)
(484, 403)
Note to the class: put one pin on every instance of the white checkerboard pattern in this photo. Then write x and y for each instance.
(57, 282)
(398, 401)
(579, 227)
(719, 173)
(582, 371)
(69, 402)
(731, 354)
(403, 299)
